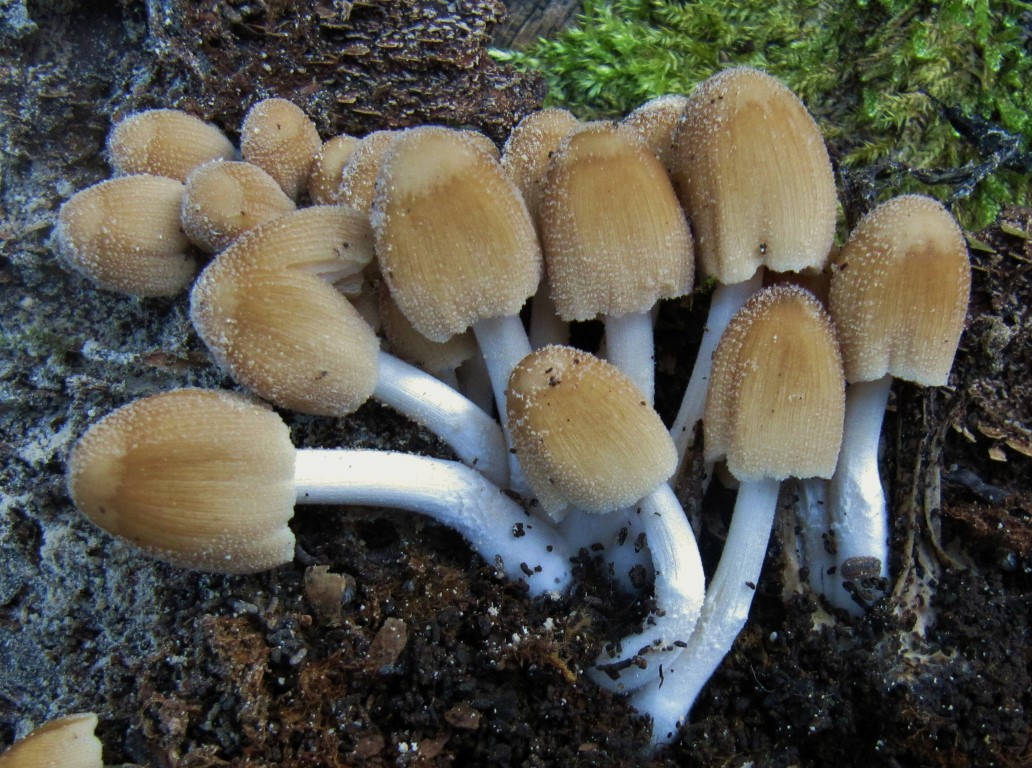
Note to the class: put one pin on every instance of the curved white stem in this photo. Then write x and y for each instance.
(618, 535)
(679, 592)
(669, 699)
(859, 519)
(630, 347)
(726, 300)
(546, 327)
(524, 547)
(474, 436)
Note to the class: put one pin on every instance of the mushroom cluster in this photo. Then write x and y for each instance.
(405, 280)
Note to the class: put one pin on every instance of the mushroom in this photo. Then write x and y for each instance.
(67, 742)
(754, 177)
(324, 175)
(124, 234)
(457, 247)
(224, 199)
(279, 138)
(899, 295)
(525, 158)
(586, 437)
(615, 241)
(207, 479)
(775, 410)
(281, 330)
(656, 121)
(165, 142)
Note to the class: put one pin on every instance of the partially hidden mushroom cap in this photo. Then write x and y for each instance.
(453, 236)
(899, 292)
(331, 241)
(280, 138)
(777, 394)
(356, 186)
(435, 357)
(324, 175)
(68, 742)
(655, 122)
(124, 234)
(753, 174)
(165, 142)
(198, 478)
(529, 148)
(225, 199)
(614, 235)
(584, 434)
(280, 329)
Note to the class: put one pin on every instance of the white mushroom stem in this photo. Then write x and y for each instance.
(474, 436)
(503, 343)
(524, 547)
(856, 500)
(728, 599)
(630, 347)
(618, 533)
(811, 510)
(679, 592)
(546, 327)
(726, 300)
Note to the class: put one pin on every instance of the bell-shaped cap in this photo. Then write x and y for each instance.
(899, 292)
(584, 434)
(198, 478)
(165, 142)
(776, 400)
(453, 236)
(753, 174)
(614, 235)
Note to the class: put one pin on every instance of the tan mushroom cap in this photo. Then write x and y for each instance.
(225, 199)
(198, 478)
(324, 175)
(165, 142)
(899, 292)
(68, 742)
(331, 241)
(279, 137)
(656, 121)
(529, 148)
(410, 345)
(583, 432)
(124, 234)
(453, 236)
(777, 394)
(279, 328)
(614, 235)
(356, 186)
(753, 174)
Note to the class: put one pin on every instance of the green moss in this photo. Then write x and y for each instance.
(875, 73)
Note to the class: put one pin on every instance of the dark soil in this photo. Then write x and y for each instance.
(387, 641)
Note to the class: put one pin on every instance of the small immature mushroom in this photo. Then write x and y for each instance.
(456, 245)
(615, 241)
(67, 742)
(124, 234)
(266, 309)
(207, 479)
(899, 296)
(775, 410)
(753, 175)
(165, 142)
(587, 438)
(324, 175)
(656, 121)
(225, 199)
(279, 137)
